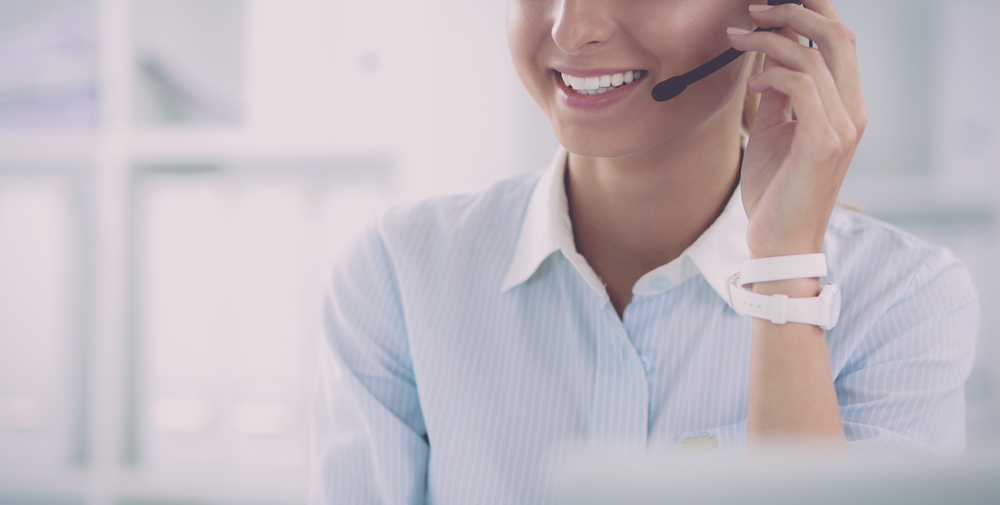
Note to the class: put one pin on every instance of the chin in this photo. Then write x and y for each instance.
(593, 141)
(642, 131)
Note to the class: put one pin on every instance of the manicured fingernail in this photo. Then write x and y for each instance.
(760, 8)
(732, 30)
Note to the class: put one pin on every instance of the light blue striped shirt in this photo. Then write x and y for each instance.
(468, 343)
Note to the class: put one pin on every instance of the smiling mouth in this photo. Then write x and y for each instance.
(600, 84)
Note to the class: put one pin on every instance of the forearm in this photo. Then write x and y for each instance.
(791, 392)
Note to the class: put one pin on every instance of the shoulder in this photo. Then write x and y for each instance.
(449, 232)
(869, 254)
(457, 214)
(892, 281)
(425, 247)
(906, 339)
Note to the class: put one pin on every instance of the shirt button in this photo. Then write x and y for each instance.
(661, 282)
(646, 364)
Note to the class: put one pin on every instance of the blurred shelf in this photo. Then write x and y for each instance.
(56, 486)
(140, 487)
(164, 145)
(43, 147)
(247, 488)
(191, 144)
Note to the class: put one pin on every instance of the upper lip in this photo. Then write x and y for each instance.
(593, 72)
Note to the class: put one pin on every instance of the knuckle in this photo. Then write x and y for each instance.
(862, 121)
(815, 59)
(849, 136)
(804, 81)
(831, 146)
(847, 34)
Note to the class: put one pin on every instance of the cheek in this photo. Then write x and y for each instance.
(528, 28)
(706, 98)
(685, 34)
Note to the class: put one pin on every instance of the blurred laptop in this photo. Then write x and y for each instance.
(780, 479)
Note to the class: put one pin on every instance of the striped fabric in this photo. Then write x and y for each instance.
(468, 345)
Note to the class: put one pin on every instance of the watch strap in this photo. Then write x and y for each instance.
(780, 268)
(822, 310)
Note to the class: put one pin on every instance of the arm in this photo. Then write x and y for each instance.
(791, 391)
(902, 392)
(808, 125)
(369, 443)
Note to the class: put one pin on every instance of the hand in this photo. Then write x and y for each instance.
(808, 125)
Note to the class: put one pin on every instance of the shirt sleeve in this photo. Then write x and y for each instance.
(904, 393)
(369, 442)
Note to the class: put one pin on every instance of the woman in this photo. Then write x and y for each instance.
(471, 338)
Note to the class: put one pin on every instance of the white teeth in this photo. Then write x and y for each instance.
(601, 84)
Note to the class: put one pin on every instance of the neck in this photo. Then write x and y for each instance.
(633, 214)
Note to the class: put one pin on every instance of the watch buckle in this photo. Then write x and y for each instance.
(733, 280)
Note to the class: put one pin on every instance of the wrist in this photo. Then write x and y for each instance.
(784, 251)
(796, 300)
(759, 250)
(794, 288)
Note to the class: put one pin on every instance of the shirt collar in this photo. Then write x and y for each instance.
(716, 254)
(547, 229)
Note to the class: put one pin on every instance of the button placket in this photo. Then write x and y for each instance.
(621, 396)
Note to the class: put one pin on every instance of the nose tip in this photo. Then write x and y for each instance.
(581, 25)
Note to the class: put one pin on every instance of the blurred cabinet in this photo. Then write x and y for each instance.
(159, 311)
(228, 281)
(40, 363)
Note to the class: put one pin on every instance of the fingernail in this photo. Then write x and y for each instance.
(732, 30)
(760, 8)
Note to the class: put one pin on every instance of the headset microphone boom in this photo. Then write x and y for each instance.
(674, 86)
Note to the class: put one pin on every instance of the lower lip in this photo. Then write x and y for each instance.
(594, 102)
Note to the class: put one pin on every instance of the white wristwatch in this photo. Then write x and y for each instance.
(822, 310)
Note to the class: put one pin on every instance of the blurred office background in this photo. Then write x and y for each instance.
(176, 174)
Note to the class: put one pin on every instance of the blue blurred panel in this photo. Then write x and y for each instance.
(48, 64)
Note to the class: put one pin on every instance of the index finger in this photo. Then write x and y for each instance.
(824, 7)
(836, 44)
